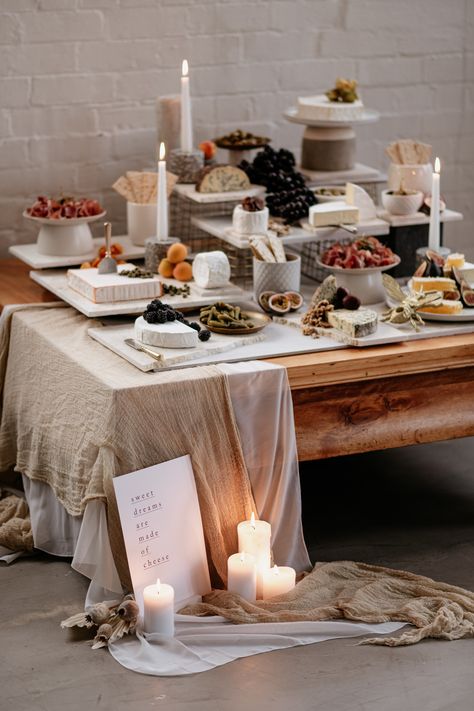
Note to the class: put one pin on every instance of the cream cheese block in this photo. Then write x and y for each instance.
(357, 324)
(319, 108)
(250, 223)
(332, 213)
(172, 334)
(108, 288)
(211, 270)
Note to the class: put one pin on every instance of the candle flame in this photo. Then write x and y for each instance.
(184, 68)
(252, 520)
(275, 570)
(437, 165)
(162, 151)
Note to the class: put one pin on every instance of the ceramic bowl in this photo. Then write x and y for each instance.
(365, 283)
(330, 198)
(402, 204)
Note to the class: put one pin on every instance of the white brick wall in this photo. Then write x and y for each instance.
(79, 81)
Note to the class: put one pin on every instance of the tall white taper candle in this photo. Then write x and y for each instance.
(186, 121)
(162, 199)
(434, 237)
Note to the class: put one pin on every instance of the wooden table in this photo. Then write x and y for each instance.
(353, 400)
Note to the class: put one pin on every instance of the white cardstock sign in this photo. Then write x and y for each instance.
(162, 527)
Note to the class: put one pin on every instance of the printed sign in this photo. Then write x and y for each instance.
(162, 527)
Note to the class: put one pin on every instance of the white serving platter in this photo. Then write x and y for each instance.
(465, 315)
(221, 227)
(55, 281)
(275, 340)
(189, 191)
(369, 116)
(29, 254)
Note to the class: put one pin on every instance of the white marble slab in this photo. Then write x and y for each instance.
(418, 218)
(55, 281)
(189, 191)
(29, 254)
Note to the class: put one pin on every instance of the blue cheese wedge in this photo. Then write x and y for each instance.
(326, 214)
(356, 324)
(172, 334)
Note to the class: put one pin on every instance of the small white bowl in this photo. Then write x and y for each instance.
(330, 198)
(402, 204)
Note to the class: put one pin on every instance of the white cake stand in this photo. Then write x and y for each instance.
(329, 145)
(365, 283)
(65, 237)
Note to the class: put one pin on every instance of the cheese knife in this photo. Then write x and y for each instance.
(140, 347)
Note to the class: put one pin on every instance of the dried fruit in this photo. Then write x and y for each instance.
(253, 204)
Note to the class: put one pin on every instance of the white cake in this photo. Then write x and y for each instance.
(108, 288)
(171, 334)
(319, 108)
(211, 269)
(250, 223)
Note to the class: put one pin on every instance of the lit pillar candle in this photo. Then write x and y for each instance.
(186, 122)
(242, 576)
(434, 238)
(158, 605)
(277, 581)
(162, 199)
(254, 538)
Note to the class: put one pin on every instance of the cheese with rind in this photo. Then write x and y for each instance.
(109, 288)
(332, 213)
(357, 324)
(250, 223)
(171, 334)
(211, 270)
(222, 179)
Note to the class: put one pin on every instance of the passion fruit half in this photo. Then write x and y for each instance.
(296, 300)
(279, 304)
(263, 299)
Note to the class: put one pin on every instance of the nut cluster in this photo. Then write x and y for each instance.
(316, 317)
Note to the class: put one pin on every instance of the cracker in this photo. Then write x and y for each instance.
(260, 249)
(408, 152)
(392, 152)
(123, 187)
(276, 247)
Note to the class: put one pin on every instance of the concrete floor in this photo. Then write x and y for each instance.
(409, 508)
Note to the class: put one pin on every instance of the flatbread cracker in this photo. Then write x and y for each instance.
(260, 249)
(123, 187)
(276, 247)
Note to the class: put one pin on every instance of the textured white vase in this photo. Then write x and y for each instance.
(141, 222)
(277, 276)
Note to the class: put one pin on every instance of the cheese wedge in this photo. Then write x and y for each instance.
(326, 214)
(172, 334)
(357, 324)
(445, 307)
(432, 284)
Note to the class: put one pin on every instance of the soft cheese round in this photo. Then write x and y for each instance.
(250, 223)
(171, 334)
(211, 269)
(319, 108)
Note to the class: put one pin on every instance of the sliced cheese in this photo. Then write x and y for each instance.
(332, 213)
(445, 307)
(172, 334)
(107, 288)
(433, 284)
(357, 324)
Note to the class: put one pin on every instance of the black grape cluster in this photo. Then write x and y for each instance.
(287, 194)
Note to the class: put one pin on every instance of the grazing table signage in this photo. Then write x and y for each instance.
(162, 528)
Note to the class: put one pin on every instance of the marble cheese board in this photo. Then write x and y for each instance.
(275, 340)
(56, 282)
(29, 254)
(189, 191)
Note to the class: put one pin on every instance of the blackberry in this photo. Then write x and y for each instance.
(170, 315)
(160, 317)
(151, 316)
(195, 325)
(204, 335)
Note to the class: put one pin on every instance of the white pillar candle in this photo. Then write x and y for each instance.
(162, 199)
(242, 576)
(158, 606)
(434, 237)
(277, 581)
(186, 121)
(254, 538)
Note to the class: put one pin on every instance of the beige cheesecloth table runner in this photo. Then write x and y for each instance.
(100, 418)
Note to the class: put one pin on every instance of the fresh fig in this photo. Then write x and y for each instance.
(263, 300)
(341, 294)
(350, 302)
(296, 300)
(279, 304)
(467, 293)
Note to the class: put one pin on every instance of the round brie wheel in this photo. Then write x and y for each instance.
(211, 269)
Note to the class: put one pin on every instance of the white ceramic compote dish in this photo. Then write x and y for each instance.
(365, 283)
(65, 237)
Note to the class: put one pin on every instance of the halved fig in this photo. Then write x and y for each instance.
(263, 299)
(279, 304)
(296, 300)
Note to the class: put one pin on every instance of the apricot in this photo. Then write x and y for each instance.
(183, 271)
(165, 268)
(209, 149)
(177, 252)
